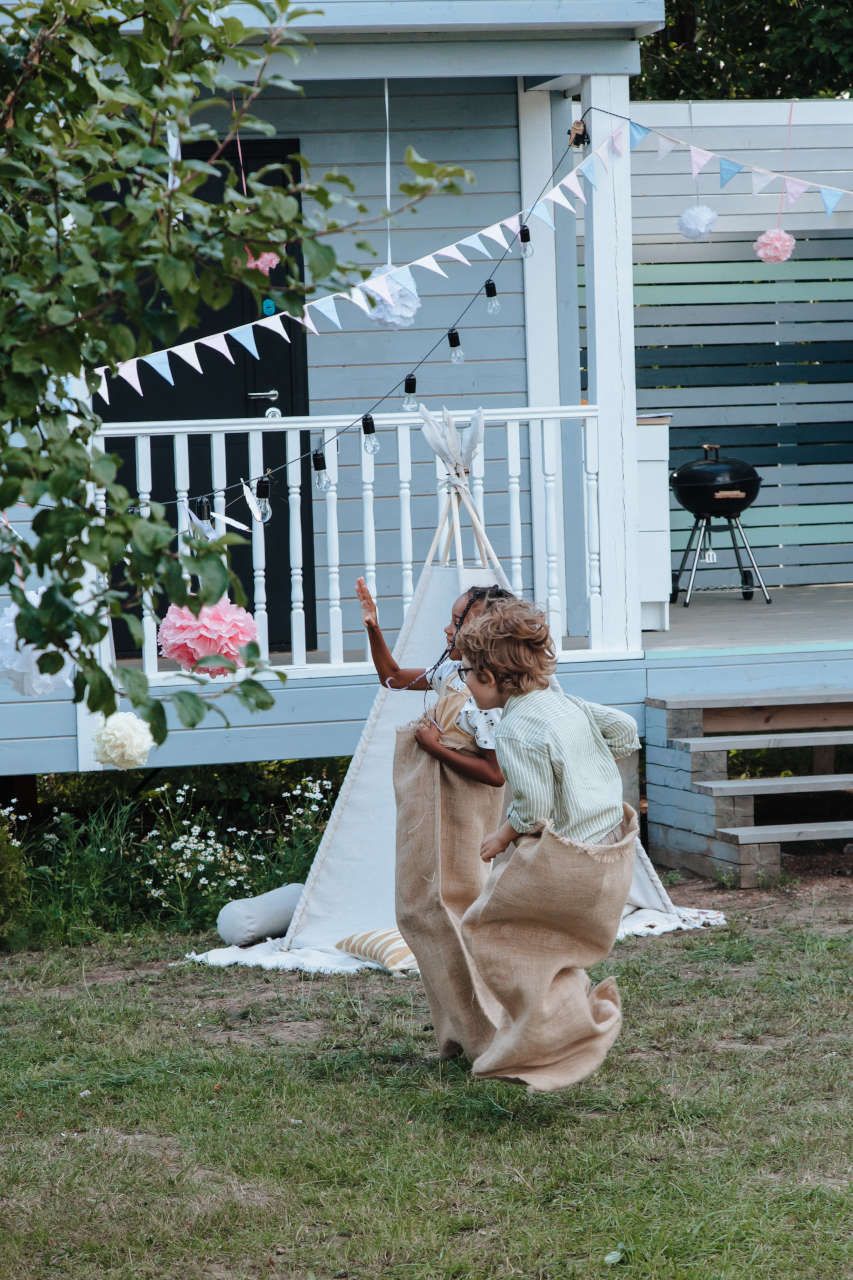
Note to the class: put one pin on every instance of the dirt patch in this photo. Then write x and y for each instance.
(107, 975)
(266, 1032)
(826, 902)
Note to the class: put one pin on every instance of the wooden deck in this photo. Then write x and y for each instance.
(798, 618)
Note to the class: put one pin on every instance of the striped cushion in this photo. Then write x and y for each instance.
(382, 946)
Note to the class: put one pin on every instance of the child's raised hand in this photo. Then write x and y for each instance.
(368, 605)
(427, 736)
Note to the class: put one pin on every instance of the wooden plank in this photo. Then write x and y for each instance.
(762, 741)
(788, 833)
(768, 698)
(777, 786)
(745, 719)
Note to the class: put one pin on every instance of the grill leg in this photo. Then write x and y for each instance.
(752, 560)
(676, 577)
(701, 527)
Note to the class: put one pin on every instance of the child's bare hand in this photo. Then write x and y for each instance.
(492, 846)
(368, 605)
(427, 736)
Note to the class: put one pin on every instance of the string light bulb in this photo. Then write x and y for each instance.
(525, 241)
(204, 510)
(368, 430)
(457, 355)
(262, 493)
(322, 479)
(410, 386)
(493, 303)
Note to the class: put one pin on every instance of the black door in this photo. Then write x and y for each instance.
(223, 390)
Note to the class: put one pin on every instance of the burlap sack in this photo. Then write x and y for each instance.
(549, 908)
(442, 819)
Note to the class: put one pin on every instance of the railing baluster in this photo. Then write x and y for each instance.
(218, 473)
(550, 463)
(404, 469)
(149, 621)
(333, 551)
(259, 551)
(294, 508)
(181, 460)
(592, 525)
(368, 525)
(513, 449)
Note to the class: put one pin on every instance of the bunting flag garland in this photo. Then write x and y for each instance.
(728, 169)
(376, 293)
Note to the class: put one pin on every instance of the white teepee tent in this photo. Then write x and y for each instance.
(350, 888)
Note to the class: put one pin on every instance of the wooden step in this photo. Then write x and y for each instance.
(787, 834)
(776, 786)
(773, 698)
(762, 741)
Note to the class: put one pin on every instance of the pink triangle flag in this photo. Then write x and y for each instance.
(794, 188)
(572, 181)
(128, 370)
(356, 296)
(665, 145)
(218, 343)
(617, 140)
(453, 251)
(699, 157)
(557, 196)
(187, 352)
(494, 233)
(760, 179)
(379, 285)
(275, 324)
(431, 265)
(512, 224)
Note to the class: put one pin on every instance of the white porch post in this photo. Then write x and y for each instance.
(541, 328)
(610, 337)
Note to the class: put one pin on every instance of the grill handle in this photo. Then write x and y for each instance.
(709, 449)
(730, 493)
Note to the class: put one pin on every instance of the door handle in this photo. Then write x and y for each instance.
(263, 395)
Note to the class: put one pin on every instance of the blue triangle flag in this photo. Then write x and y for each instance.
(245, 336)
(588, 170)
(728, 169)
(830, 197)
(638, 132)
(160, 361)
(541, 212)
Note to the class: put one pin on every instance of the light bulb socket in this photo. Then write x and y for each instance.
(410, 384)
(524, 233)
(454, 339)
(368, 426)
(262, 488)
(203, 509)
(318, 460)
(491, 289)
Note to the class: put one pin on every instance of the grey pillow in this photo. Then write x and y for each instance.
(252, 919)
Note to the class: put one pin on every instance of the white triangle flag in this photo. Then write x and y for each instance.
(512, 224)
(557, 195)
(103, 390)
(494, 233)
(379, 285)
(572, 181)
(474, 242)
(275, 324)
(601, 153)
(305, 320)
(454, 252)
(665, 145)
(356, 296)
(217, 343)
(760, 179)
(187, 352)
(431, 265)
(251, 501)
(128, 370)
(617, 140)
(326, 307)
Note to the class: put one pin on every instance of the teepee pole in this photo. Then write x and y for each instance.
(475, 521)
(439, 529)
(457, 531)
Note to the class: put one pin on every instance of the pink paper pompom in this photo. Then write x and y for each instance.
(774, 245)
(219, 628)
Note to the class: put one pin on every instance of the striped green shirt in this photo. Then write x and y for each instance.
(558, 755)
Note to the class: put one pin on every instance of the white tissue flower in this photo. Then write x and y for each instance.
(124, 741)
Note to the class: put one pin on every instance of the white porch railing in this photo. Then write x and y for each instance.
(522, 482)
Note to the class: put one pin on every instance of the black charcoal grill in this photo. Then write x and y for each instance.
(714, 488)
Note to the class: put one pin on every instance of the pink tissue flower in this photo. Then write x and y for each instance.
(775, 245)
(219, 628)
(266, 263)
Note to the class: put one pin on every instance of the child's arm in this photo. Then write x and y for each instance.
(390, 673)
(530, 777)
(484, 768)
(618, 729)
(498, 841)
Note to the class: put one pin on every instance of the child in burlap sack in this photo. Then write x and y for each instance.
(450, 794)
(562, 860)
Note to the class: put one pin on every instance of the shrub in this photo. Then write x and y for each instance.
(13, 877)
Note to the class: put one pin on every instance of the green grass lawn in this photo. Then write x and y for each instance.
(197, 1124)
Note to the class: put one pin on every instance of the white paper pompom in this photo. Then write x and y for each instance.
(19, 662)
(400, 312)
(696, 222)
(123, 740)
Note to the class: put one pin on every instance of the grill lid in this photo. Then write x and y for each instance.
(715, 486)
